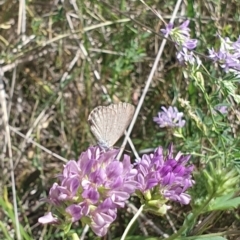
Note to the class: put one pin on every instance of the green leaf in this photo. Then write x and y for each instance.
(7, 207)
(190, 222)
(140, 238)
(202, 237)
(224, 203)
(67, 227)
(5, 231)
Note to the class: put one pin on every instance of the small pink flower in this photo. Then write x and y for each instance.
(48, 218)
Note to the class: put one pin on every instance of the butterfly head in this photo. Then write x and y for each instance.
(104, 145)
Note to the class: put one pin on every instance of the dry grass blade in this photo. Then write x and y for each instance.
(147, 85)
(29, 140)
(7, 132)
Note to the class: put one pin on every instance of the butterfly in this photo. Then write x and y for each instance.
(108, 123)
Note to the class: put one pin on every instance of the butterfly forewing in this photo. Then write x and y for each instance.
(109, 123)
(123, 115)
(96, 120)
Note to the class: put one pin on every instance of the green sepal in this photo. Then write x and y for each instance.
(66, 227)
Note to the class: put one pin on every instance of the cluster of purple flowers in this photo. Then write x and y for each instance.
(184, 44)
(94, 187)
(165, 176)
(170, 117)
(228, 56)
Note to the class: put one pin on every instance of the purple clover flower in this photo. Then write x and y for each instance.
(186, 56)
(164, 177)
(92, 189)
(221, 109)
(228, 56)
(168, 30)
(184, 30)
(184, 44)
(170, 117)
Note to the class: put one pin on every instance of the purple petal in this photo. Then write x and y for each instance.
(168, 29)
(77, 211)
(48, 218)
(114, 169)
(91, 194)
(101, 223)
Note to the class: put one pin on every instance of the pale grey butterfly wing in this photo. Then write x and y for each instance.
(123, 113)
(109, 123)
(98, 120)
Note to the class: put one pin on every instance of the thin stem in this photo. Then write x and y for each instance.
(28, 139)
(84, 232)
(149, 80)
(131, 222)
(7, 132)
(194, 216)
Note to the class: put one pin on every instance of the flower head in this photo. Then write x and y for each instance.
(228, 55)
(170, 117)
(167, 30)
(164, 177)
(184, 44)
(93, 188)
(221, 109)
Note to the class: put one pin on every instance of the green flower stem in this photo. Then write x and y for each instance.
(194, 216)
(206, 236)
(132, 221)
